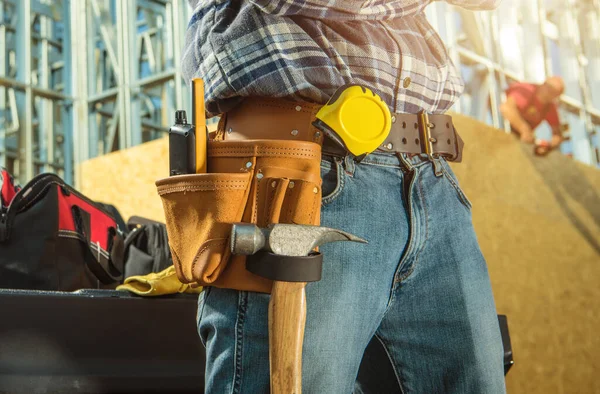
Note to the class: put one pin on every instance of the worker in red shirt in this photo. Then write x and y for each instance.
(527, 105)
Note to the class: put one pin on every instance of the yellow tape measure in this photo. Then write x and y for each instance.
(356, 118)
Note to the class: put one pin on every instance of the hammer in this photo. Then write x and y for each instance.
(287, 306)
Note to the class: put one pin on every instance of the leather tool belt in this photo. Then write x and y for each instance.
(263, 167)
(266, 118)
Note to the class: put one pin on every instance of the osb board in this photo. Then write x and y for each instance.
(126, 179)
(538, 223)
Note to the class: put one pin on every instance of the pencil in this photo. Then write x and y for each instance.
(199, 119)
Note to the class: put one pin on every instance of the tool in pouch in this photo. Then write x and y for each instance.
(356, 118)
(199, 119)
(187, 155)
(187, 145)
(182, 146)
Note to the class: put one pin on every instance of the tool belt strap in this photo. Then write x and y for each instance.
(286, 268)
(268, 118)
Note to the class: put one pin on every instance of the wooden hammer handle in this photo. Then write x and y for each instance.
(287, 317)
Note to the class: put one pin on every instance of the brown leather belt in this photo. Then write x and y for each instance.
(267, 118)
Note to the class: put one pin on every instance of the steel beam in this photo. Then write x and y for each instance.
(67, 147)
(45, 111)
(79, 85)
(575, 86)
(518, 42)
(56, 90)
(3, 106)
(24, 98)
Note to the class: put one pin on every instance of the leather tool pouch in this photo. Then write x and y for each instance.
(250, 181)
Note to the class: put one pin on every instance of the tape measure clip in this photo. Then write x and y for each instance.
(356, 118)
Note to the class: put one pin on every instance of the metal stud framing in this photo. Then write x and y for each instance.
(81, 78)
(529, 41)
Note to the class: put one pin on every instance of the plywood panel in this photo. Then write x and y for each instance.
(538, 223)
(126, 179)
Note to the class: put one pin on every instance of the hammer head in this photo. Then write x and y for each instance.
(284, 239)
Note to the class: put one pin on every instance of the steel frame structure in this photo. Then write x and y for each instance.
(529, 41)
(34, 100)
(82, 78)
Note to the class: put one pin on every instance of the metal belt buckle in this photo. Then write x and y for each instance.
(425, 133)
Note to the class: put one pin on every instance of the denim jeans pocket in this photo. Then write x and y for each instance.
(202, 298)
(451, 177)
(333, 176)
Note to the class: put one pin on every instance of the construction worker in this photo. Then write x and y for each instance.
(527, 105)
(420, 287)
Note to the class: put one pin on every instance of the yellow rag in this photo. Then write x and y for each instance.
(157, 284)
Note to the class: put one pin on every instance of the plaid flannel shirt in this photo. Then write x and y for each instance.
(306, 49)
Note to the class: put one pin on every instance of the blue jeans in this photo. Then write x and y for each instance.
(420, 288)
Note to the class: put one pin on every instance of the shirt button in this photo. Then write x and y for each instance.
(406, 82)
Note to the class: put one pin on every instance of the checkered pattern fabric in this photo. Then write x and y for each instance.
(306, 49)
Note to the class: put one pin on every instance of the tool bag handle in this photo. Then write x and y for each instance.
(135, 221)
(25, 197)
(108, 268)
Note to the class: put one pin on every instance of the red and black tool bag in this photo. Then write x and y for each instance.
(8, 189)
(54, 238)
